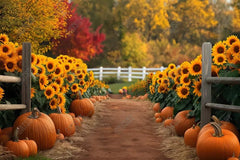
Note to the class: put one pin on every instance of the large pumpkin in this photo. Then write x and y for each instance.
(37, 126)
(82, 106)
(63, 122)
(217, 144)
(167, 112)
(182, 122)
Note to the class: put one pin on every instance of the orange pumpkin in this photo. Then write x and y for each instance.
(82, 106)
(218, 144)
(156, 115)
(182, 122)
(159, 120)
(7, 131)
(37, 126)
(64, 122)
(191, 136)
(32, 145)
(60, 136)
(233, 158)
(168, 122)
(156, 107)
(18, 147)
(77, 122)
(167, 112)
(4, 139)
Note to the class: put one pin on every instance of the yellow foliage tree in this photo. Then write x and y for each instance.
(35, 21)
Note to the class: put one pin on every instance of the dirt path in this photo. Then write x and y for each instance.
(124, 129)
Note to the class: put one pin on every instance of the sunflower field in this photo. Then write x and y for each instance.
(55, 81)
(180, 87)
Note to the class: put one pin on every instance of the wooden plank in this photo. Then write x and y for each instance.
(224, 107)
(26, 76)
(223, 80)
(206, 87)
(10, 79)
(12, 106)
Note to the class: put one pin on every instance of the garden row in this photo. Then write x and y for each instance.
(177, 91)
(62, 92)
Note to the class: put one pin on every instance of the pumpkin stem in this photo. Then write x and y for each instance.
(79, 95)
(35, 113)
(193, 126)
(215, 119)
(15, 135)
(58, 131)
(217, 129)
(59, 109)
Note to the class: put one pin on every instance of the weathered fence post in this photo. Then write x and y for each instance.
(206, 87)
(26, 76)
(129, 74)
(118, 73)
(101, 73)
(143, 72)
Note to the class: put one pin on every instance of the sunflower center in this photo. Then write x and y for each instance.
(10, 65)
(232, 41)
(50, 66)
(60, 100)
(2, 39)
(160, 75)
(48, 92)
(220, 50)
(185, 71)
(58, 81)
(69, 78)
(184, 91)
(19, 64)
(20, 52)
(74, 87)
(40, 71)
(185, 80)
(42, 81)
(57, 71)
(165, 81)
(220, 59)
(197, 68)
(1, 64)
(50, 76)
(199, 86)
(80, 76)
(214, 74)
(5, 49)
(53, 103)
(236, 49)
(67, 67)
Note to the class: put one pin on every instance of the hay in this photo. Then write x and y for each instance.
(6, 155)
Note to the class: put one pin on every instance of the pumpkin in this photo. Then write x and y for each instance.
(37, 126)
(32, 145)
(18, 147)
(80, 118)
(223, 124)
(64, 122)
(82, 106)
(182, 122)
(72, 114)
(93, 100)
(233, 158)
(167, 112)
(168, 122)
(156, 115)
(77, 122)
(191, 136)
(159, 120)
(217, 144)
(7, 131)
(4, 138)
(60, 136)
(156, 107)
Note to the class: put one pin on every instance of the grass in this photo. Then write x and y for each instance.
(116, 86)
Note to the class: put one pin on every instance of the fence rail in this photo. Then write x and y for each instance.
(129, 73)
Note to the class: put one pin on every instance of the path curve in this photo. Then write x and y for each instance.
(124, 129)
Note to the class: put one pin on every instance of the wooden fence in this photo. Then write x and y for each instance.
(129, 73)
(25, 81)
(206, 89)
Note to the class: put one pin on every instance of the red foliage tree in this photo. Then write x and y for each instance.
(79, 41)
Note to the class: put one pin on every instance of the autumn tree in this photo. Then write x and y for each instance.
(34, 21)
(80, 41)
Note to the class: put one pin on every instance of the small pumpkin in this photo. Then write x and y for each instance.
(158, 114)
(7, 131)
(4, 138)
(82, 106)
(182, 121)
(18, 147)
(218, 144)
(64, 122)
(156, 107)
(159, 120)
(60, 136)
(37, 126)
(32, 145)
(168, 122)
(167, 112)
(77, 122)
(191, 136)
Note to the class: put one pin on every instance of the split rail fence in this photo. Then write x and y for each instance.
(25, 81)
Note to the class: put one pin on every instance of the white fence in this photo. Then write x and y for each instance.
(129, 73)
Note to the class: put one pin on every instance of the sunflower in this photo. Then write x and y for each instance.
(59, 81)
(236, 60)
(38, 60)
(197, 87)
(183, 91)
(41, 70)
(4, 38)
(49, 92)
(50, 77)
(162, 88)
(61, 100)
(185, 67)
(33, 59)
(172, 73)
(79, 71)
(196, 67)
(219, 59)
(230, 56)
(1, 93)
(150, 75)
(159, 80)
(218, 48)
(177, 80)
(19, 64)
(166, 81)
(18, 51)
(10, 65)
(161, 74)
(81, 83)
(33, 91)
(56, 87)
(75, 88)
(152, 89)
(231, 39)
(70, 78)
(235, 48)
(2, 61)
(171, 66)
(185, 80)
(67, 67)
(81, 76)
(50, 65)
(58, 71)
(63, 90)
(6, 49)
(43, 81)
(214, 71)
(53, 103)
(63, 109)
(34, 70)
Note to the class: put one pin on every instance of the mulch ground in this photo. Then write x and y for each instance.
(121, 129)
